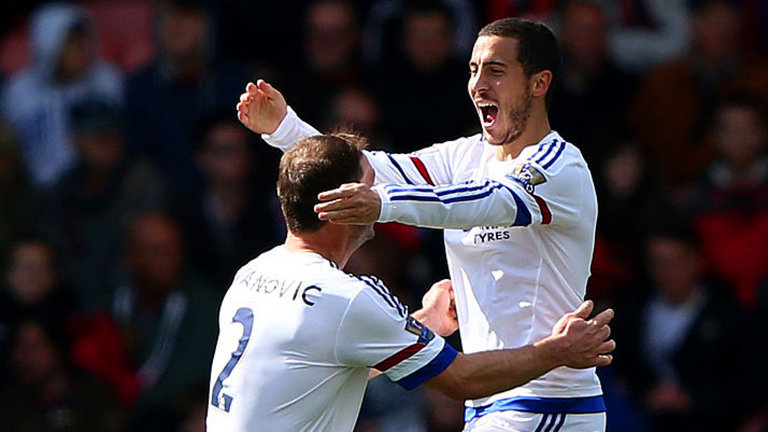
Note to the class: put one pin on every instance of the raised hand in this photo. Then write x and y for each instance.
(261, 107)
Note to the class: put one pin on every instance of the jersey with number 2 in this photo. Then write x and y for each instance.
(297, 339)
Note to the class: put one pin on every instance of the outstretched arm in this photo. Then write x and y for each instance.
(463, 205)
(264, 110)
(575, 342)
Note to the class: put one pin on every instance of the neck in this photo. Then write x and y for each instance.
(328, 242)
(536, 129)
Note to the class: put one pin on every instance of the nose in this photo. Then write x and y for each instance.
(478, 82)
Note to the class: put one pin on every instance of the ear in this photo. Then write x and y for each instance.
(540, 83)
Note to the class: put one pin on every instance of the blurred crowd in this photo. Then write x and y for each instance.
(130, 194)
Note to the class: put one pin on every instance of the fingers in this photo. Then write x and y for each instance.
(335, 205)
(343, 191)
(584, 310)
(603, 360)
(340, 216)
(266, 88)
(607, 346)
(604, 317)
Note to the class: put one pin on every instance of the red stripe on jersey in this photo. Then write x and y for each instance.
(546, 215)
(422, 169)
(400, 356)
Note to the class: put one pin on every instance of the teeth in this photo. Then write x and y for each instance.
(485, 105)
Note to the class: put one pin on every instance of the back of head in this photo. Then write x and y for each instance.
(537, 47)
(314, 165)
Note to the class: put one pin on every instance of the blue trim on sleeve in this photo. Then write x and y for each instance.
(431, 369)
(399, 168)
(550, 146)
(557, 155)
(523, 217)
(579, 405)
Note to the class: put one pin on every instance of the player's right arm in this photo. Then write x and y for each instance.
(575, 342)
(376, 332)
(264, 110)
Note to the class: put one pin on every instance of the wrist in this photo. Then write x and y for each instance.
(549, 352)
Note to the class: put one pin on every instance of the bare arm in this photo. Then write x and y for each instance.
(574, 342)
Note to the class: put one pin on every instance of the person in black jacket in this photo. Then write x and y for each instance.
(686, 351)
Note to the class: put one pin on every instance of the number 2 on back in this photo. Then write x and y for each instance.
(222, 400)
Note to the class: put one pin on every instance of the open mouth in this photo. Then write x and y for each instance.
(489, 113)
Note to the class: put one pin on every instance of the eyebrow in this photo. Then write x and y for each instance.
(489, 63)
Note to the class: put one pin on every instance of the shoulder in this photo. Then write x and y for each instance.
(554, 155)
(471, 147)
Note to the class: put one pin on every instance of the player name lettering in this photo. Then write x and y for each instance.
(291, 290)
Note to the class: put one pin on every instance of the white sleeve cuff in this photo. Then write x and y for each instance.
(290, 130)
(387, 207)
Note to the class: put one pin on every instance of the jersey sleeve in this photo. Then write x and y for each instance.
(429, 166)
(289, 131)
(528, 195)
(376, 331)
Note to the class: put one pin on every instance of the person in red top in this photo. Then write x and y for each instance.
(730, 204)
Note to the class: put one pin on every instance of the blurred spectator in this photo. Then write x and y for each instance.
(190, 408)
(273, 41)
(65, 70)
(590, 96)
(179, 88)
(630, 201)
(443, 414)
(355, 108)
(754, 15)
(647, 33)
(167, 316)
(385, 17)
(730, 205)
(430, 103)
(388, 407)
(234, 216)
(686, 345)
(88, 209)
(15, 191)
(47, 394)
(541, 10)
(669, 112)
(331, 60)
(31, 286)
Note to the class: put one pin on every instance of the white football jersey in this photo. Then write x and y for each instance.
(297, 339)
(519, 238)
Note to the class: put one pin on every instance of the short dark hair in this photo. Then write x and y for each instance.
(314, 165)
(537, 46)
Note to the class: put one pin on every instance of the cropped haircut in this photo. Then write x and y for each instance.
(316, 164)
(537, 47)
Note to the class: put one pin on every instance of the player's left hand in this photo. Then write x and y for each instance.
(351, 203)
(439, 305)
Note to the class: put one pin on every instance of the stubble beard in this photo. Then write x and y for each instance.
(518, 120)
